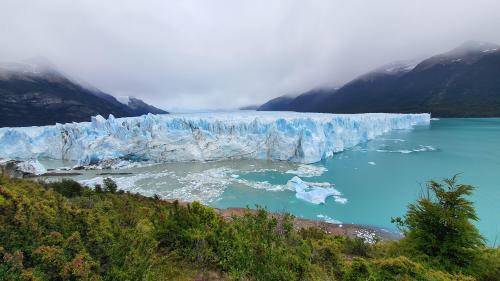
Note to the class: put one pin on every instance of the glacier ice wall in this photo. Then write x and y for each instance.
(289, 136)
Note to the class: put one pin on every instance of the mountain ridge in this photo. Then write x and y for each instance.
(463, 82)
(34, 93)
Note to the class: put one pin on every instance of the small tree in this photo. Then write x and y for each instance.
(98, 188)
(439, 224)
(67, 187)
(110, 185)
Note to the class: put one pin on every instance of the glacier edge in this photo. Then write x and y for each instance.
(286, 136)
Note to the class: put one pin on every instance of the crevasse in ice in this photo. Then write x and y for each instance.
(288, 136)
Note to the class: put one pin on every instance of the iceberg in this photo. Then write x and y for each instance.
(32, 167)
(314, 192)
(20, 169)
(304, 170)
(287, 136)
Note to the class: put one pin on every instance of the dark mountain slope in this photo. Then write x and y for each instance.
(446, 86)
(309, 101)
(464, 82)
(306, 102)
(139, 107)
(277, 104)
(34, 94)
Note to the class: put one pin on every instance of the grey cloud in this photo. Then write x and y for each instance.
(224, 54)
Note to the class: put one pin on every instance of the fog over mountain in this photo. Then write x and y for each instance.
(227, 54)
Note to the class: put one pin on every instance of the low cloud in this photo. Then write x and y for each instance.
(225, 54)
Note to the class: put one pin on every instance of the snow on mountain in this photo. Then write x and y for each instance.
(472, 47)
(400, 66)
(35, 92)
(36, 67)
(467, 53)
(393, 69)
(123, 99)
(288, 136)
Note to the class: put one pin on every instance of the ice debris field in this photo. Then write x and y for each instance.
(208, 185)
(286, 136)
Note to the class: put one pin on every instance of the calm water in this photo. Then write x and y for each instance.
(378, 178)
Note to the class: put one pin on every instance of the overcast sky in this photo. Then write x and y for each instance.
(225, 54)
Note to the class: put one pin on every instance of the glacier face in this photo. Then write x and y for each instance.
(288, 136)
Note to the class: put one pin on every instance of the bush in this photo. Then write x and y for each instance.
(98, 188)
(402, 268)
(110, 185)
(357, 246)
(439, 225)
(47, 236)
(67, 187)
(358, 271)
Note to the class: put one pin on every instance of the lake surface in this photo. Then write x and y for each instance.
(377, 179)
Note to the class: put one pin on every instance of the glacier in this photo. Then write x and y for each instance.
(287, 136)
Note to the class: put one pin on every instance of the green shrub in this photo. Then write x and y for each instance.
(110, 185)
(62, 231)
(357, 246)
(439, 226)
(67, 187)
(98, 188)
(359, 270)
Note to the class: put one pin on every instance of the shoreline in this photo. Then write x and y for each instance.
(370, 234)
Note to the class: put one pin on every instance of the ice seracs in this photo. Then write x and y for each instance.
(287, 136)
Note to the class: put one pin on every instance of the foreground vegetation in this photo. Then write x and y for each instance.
(63, 231)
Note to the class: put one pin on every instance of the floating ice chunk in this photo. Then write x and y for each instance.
(372, 163)
(287, 136)
(22, 168)
(367, 236)
(328, 219)
(424, 148)
(394, 140)
(308, 170)
(32, 167)
(420, 148)
(314, 192)
(127, 183)
(340, 200)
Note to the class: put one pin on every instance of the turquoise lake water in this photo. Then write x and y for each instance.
(381, 177)
(378, 179)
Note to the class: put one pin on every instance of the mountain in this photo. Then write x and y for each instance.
(139, 107)
(277, 104)
(305, 102)
(464, 82)
(249, 107)
(34, 93)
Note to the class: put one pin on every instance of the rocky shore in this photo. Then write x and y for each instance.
(369, 234)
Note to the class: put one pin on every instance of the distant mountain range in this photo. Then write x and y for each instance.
(34, 93)
(249, 107)
(464, 82)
